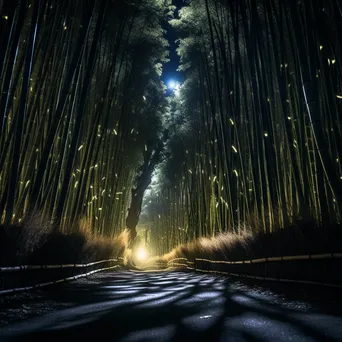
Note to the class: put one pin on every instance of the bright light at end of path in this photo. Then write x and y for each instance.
(141, 254)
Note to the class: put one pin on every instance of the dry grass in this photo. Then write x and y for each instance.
(34, 241)
(301, 238)
(217, 247)
(98, 247)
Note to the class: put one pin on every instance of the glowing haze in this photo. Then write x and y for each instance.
(173, 85)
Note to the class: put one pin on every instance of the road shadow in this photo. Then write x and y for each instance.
(175, 306)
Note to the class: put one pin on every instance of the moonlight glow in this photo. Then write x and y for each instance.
(172, 84)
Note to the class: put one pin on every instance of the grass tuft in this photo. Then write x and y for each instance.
(35, 241)
(301, 238)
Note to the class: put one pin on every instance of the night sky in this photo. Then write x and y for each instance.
(170, 68)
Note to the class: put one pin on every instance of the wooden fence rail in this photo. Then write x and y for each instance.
(53, 282)
(321, 269)
(282, 258)
(21, 278)
(51, 267)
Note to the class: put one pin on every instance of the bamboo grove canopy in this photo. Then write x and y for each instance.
(81, 100)
(257, 130)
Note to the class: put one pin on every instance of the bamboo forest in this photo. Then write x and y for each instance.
(246, 138)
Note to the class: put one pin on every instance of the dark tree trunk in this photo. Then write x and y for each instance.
(142, 181)
(134, 212)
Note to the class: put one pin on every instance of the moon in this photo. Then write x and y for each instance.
(172, 84)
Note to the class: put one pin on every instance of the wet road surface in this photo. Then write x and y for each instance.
(171, 306)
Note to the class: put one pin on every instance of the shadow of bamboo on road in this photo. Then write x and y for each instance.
(174, 306)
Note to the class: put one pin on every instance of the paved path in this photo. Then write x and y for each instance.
(170, 306)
